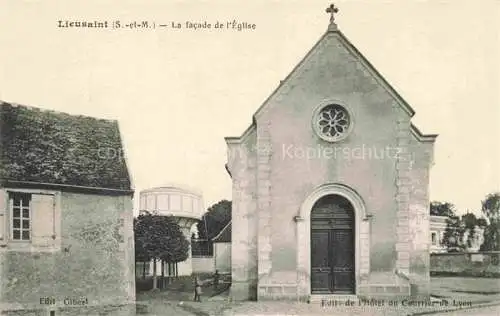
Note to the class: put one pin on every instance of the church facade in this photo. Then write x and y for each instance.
(330, 186)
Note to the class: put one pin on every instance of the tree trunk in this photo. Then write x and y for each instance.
(171, 271)
(155, 278)
(162, 285)
(144, 270)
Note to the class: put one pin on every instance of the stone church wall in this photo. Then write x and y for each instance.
(95, 265)
(297, 166)
(419, 218)
(379, 160)
(244, 219)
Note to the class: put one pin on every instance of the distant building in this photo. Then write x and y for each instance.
(437, 229)
(66, 234)
(222, 250)
(187, 208)
(438, 226)
(214, 254)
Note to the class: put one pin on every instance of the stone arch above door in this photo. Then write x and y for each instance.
(362, 234)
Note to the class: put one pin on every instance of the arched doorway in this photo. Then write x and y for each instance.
(332, 246)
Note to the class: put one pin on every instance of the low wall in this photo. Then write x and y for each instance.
(203, 264)
(485, 264)
(222, 255)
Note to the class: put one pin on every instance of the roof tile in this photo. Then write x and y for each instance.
(58, 148)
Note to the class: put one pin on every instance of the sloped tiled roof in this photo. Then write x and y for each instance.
(50, 147)
(224, 235)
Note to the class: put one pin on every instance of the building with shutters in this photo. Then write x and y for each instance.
(331, 186)
(66, 221)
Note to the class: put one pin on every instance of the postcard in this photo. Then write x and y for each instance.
(249, 158)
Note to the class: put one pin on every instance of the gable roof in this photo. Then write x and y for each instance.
(53, 148)
(334, 31)
(224, 235)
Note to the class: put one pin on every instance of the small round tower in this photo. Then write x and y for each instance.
(184, 204)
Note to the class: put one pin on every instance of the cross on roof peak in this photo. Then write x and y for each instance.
(332, 9)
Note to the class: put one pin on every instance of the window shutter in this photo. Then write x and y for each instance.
(4, 210)
(43, 213)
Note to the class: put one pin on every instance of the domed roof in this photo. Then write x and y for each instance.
(173, 188)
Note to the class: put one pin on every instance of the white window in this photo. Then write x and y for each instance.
(20, 210)
(434, 238)
(175, 202)
(151, 203)
(195, 206)
(162, 202)
(187, 204)
(31, 218)
(142, 206)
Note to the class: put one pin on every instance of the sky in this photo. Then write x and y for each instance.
(178, 92)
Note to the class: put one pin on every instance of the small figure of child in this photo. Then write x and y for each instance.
(197, 290)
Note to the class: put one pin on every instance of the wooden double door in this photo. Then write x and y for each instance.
(332, 246)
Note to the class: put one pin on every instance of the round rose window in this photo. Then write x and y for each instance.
(332, 122)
